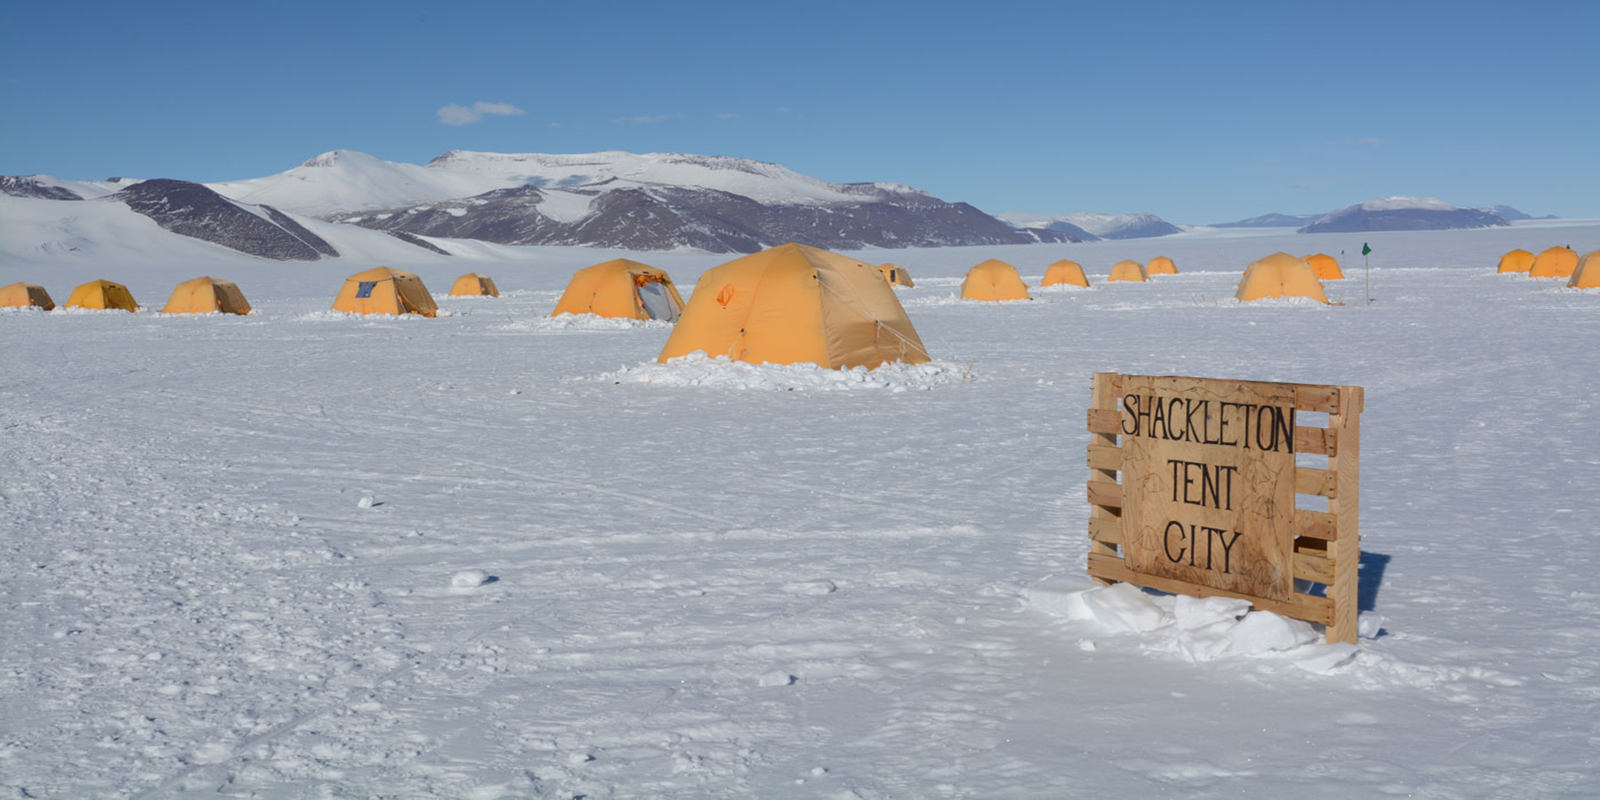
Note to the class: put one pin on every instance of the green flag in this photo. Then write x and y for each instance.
(1365, 250)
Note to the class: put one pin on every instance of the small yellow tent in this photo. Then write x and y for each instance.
(621, 288)
(896, 275)
(1326, 267)
(1160, 265)
(204, 295)
(1127, 271)
(1556, 262)
(994, 280)
(1516, 261)
(474, 285)
(1065, 273)
(1280, 275)
(102, 294)
(793, 304)
(382, 290)
(1587, 274)
(24, 295)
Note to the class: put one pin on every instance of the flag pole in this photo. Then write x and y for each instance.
(1366, 254)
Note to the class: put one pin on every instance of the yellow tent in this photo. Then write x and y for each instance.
(896, 275)
(102, 294)
(1587, 274)
(1280, 275)
(23, 295)
(1065, 273)
(1556, 262)
(474, 285)
(1160, 265)
(794, 304)
(621, 288)
(1516, 261)
(382, 290)
(204, 295)
(994, 280)
(1326, 267)
(1127, 271)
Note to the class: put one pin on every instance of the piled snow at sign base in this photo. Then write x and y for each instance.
(1196, 629)
(698, 369)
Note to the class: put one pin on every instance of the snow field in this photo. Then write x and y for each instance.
(707, 585)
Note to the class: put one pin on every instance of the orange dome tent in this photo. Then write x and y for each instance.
(1587, 274)
(205, 295)
(896, 275)
(103, 294)
(1326, 267)
(25, 295)
(795, 304)
(1280, 275)
(994, 280)
(1516, 261)
(1065, 273)
(1127, 271)
(1556, 262)
(1160, 265)
(474, 285)
(621, 288)
(382, 290)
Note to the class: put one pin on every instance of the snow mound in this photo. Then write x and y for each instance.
(583, 322)
(469, 579)
(1194, 629)
(698, 369)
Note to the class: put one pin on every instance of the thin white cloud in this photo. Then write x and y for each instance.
(729, 116)
(1365, 141)
(643, 119)
(456, 114)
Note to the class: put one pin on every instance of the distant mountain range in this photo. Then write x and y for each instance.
(656, 201)
(1090, 227)
(1389, 213)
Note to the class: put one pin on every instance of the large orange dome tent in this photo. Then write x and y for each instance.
(1587, 274)
(1065, 273)
(621, 288)
(474, 285)
(1160, 265)
(994, 280)
(1127, 271)
(205, 295)
(1280, 275)
(25, 295)
(382, 290)
(103, 295)
(795, 304)
(1516, 261)
(1325, 266)
(1555, 262)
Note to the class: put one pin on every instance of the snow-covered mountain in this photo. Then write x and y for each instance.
(1270, 221)
(1404, 213)
(345, 180)
(1100, 226)
(668, 201)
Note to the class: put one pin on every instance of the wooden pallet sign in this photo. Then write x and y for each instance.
(1193, 484)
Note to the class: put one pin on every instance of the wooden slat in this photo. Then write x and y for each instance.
(1105, 494)
(1345, 551)
(1106, 530)
(1316, 398)
(1303, 606)
(1316, 525)
(1107, 421)
(1313, 568)
(1320, 482)
(1317, 441)
(1105, 457)
(1105, 388)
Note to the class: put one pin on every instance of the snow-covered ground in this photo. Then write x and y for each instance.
(487, 555)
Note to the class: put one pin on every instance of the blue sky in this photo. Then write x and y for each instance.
(1198, 112)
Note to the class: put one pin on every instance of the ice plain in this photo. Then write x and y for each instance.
(492, 555)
